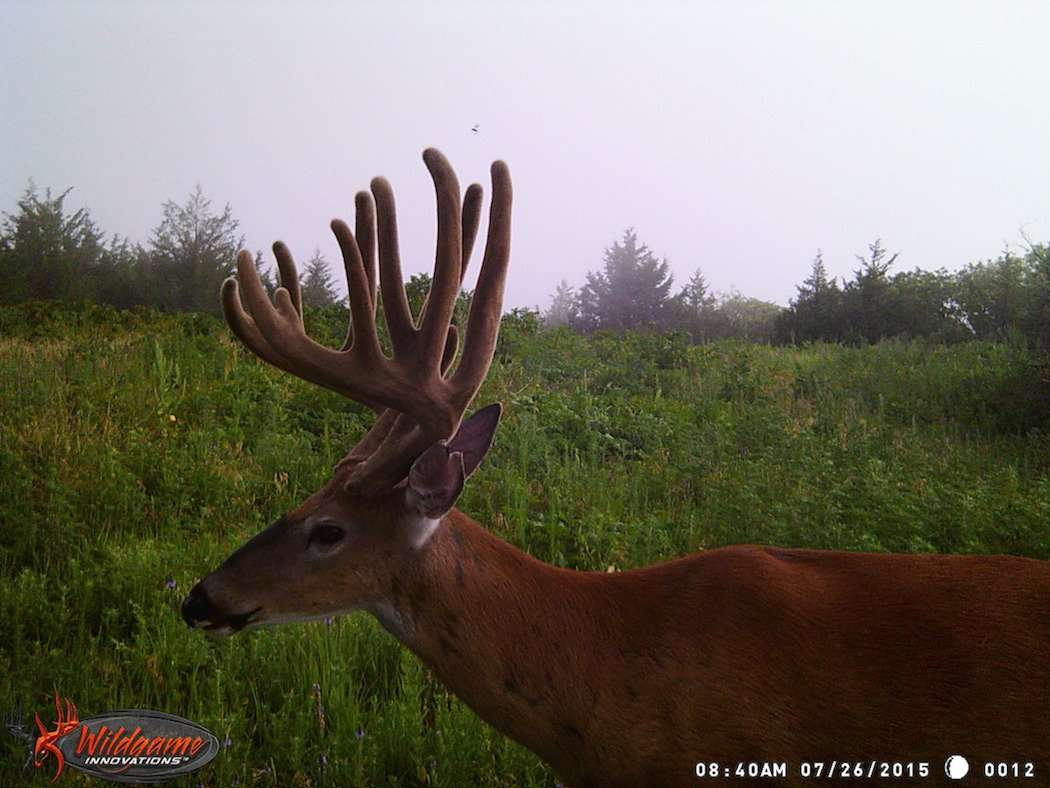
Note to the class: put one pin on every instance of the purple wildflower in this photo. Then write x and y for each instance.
(171, 584)
(360, 733)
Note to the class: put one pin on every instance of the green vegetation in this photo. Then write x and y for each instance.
(139, 448)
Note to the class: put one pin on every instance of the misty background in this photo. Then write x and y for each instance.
(737, 139)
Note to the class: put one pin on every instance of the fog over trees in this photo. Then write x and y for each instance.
(48, 252)
(991, 299)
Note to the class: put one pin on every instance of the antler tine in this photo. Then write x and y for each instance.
(441, 300)
(365, 232)
(471, 220)
(289, 276)
(395, 301)
(242, 325)
(487, 304)
(353, 373)
(359, 290)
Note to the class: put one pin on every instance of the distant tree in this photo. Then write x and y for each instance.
(992, 295)
(692, 307)
(631, 291)
(316, 282)
(1037, 320)
(867, 297)
(562, 310)
(522, 319)
(118, 277)
(191, 251)
(821, 299)
(695, 294)
(47, 253)
(736, 315)
(816, 311)
(923, 304)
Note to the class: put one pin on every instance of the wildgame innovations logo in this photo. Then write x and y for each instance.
(127, 746)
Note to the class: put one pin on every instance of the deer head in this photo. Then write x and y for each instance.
(343, 547)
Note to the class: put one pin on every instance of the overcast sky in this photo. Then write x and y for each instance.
(735, 137)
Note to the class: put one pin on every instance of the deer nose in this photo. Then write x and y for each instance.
(197, 608)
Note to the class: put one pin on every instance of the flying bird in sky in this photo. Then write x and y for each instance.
(475, 128)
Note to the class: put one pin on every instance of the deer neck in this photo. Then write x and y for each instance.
(501, 630)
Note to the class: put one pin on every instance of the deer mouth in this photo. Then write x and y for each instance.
(199, 611)
(232, 625)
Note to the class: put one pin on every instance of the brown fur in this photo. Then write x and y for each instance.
(741, 653)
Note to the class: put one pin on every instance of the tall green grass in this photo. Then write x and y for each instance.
(138, 448)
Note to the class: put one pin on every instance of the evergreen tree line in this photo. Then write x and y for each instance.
(991, 300)
(634, 291)
(48, 252)
(985, 300)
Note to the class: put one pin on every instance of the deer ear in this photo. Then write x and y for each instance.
(437, 477)
(474, 437)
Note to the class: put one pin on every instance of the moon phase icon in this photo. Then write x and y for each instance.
(956, 767)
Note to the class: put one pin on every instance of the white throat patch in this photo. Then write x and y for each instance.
(419, 531)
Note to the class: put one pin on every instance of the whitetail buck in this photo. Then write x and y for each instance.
(628, 679)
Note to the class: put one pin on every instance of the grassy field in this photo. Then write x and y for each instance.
(138, 450)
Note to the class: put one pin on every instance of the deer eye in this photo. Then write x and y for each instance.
(326, 534)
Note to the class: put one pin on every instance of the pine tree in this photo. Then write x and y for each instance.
(632, 291)
(693, 306)
(695, 295)
(819, 305)
(817, 281)
(47, 253)
(191, 252)
(867, 296)
(562, 310)
(316, 282)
